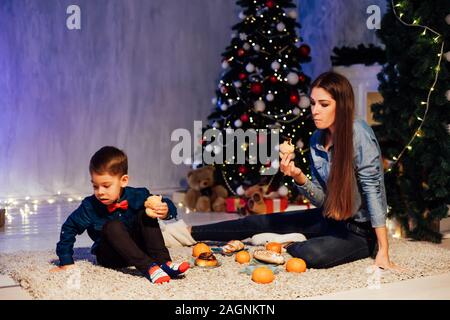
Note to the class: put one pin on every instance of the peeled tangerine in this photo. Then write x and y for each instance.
(274, 246)
(263, 275)
(242, 257)
(287, 148)
(200, 248)
(153, 201)
(296, 265)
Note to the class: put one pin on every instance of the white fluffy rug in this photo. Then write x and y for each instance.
(90, 281)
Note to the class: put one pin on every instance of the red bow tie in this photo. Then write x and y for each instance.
(118, 205)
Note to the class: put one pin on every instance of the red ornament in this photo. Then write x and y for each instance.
(244, 117)
(242, 76)
(223, 89)
(304, 50)
(273, 79)
(294, 98)
(241, 52)
(256, 88)
(302, 78)
(243, 169)
(270, 4)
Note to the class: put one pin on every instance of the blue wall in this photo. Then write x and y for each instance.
(334, 23)
(135, 71)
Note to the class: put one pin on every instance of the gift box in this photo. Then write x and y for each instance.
(235, 204)
(276, 205)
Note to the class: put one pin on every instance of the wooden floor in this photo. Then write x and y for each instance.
(36, 227)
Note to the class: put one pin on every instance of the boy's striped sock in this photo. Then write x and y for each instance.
(175, 269)
(158, 275)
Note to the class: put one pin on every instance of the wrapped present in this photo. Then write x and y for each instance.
(276, 205)
(235, 204)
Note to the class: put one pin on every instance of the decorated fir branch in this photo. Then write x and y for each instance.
(370, 55)
(414, 115)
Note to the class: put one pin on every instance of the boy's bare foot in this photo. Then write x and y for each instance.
(62, 268)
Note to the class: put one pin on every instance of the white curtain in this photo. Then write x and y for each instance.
(135, 71)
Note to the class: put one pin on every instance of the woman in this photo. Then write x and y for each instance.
(347, 187)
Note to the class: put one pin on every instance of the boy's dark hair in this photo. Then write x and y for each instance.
(109, 160)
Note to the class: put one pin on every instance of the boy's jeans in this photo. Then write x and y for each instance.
(140, 247)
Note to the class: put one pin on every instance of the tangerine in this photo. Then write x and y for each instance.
(296, 265)
(200, 248)
(274, 246)
(243, 257)
(263, 275)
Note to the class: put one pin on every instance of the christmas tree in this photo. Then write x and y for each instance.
(415, 114)
(262, 86)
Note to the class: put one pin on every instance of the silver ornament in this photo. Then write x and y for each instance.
(250, 68)
(281, 26)
(292, 14)
(275, 65)
(269, 97)
(260, 106)
(283, 191)
(304, 102)
(292, 78)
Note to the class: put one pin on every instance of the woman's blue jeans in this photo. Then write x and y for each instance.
(329, 242)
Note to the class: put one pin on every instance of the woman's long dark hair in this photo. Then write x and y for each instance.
(339, 198)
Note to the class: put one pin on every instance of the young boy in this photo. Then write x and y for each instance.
(116, 220)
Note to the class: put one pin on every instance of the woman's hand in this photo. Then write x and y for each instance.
(382, 261)
(63, 268)
(287, 166)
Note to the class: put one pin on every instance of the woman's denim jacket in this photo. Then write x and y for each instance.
(370, 197)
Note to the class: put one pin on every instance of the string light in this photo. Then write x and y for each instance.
(418, 133)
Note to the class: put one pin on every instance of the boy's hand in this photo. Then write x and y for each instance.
(62, 268)
(162, 210)
(156, 209)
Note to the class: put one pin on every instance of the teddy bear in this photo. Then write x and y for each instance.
(203, 194)
(255, 202)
